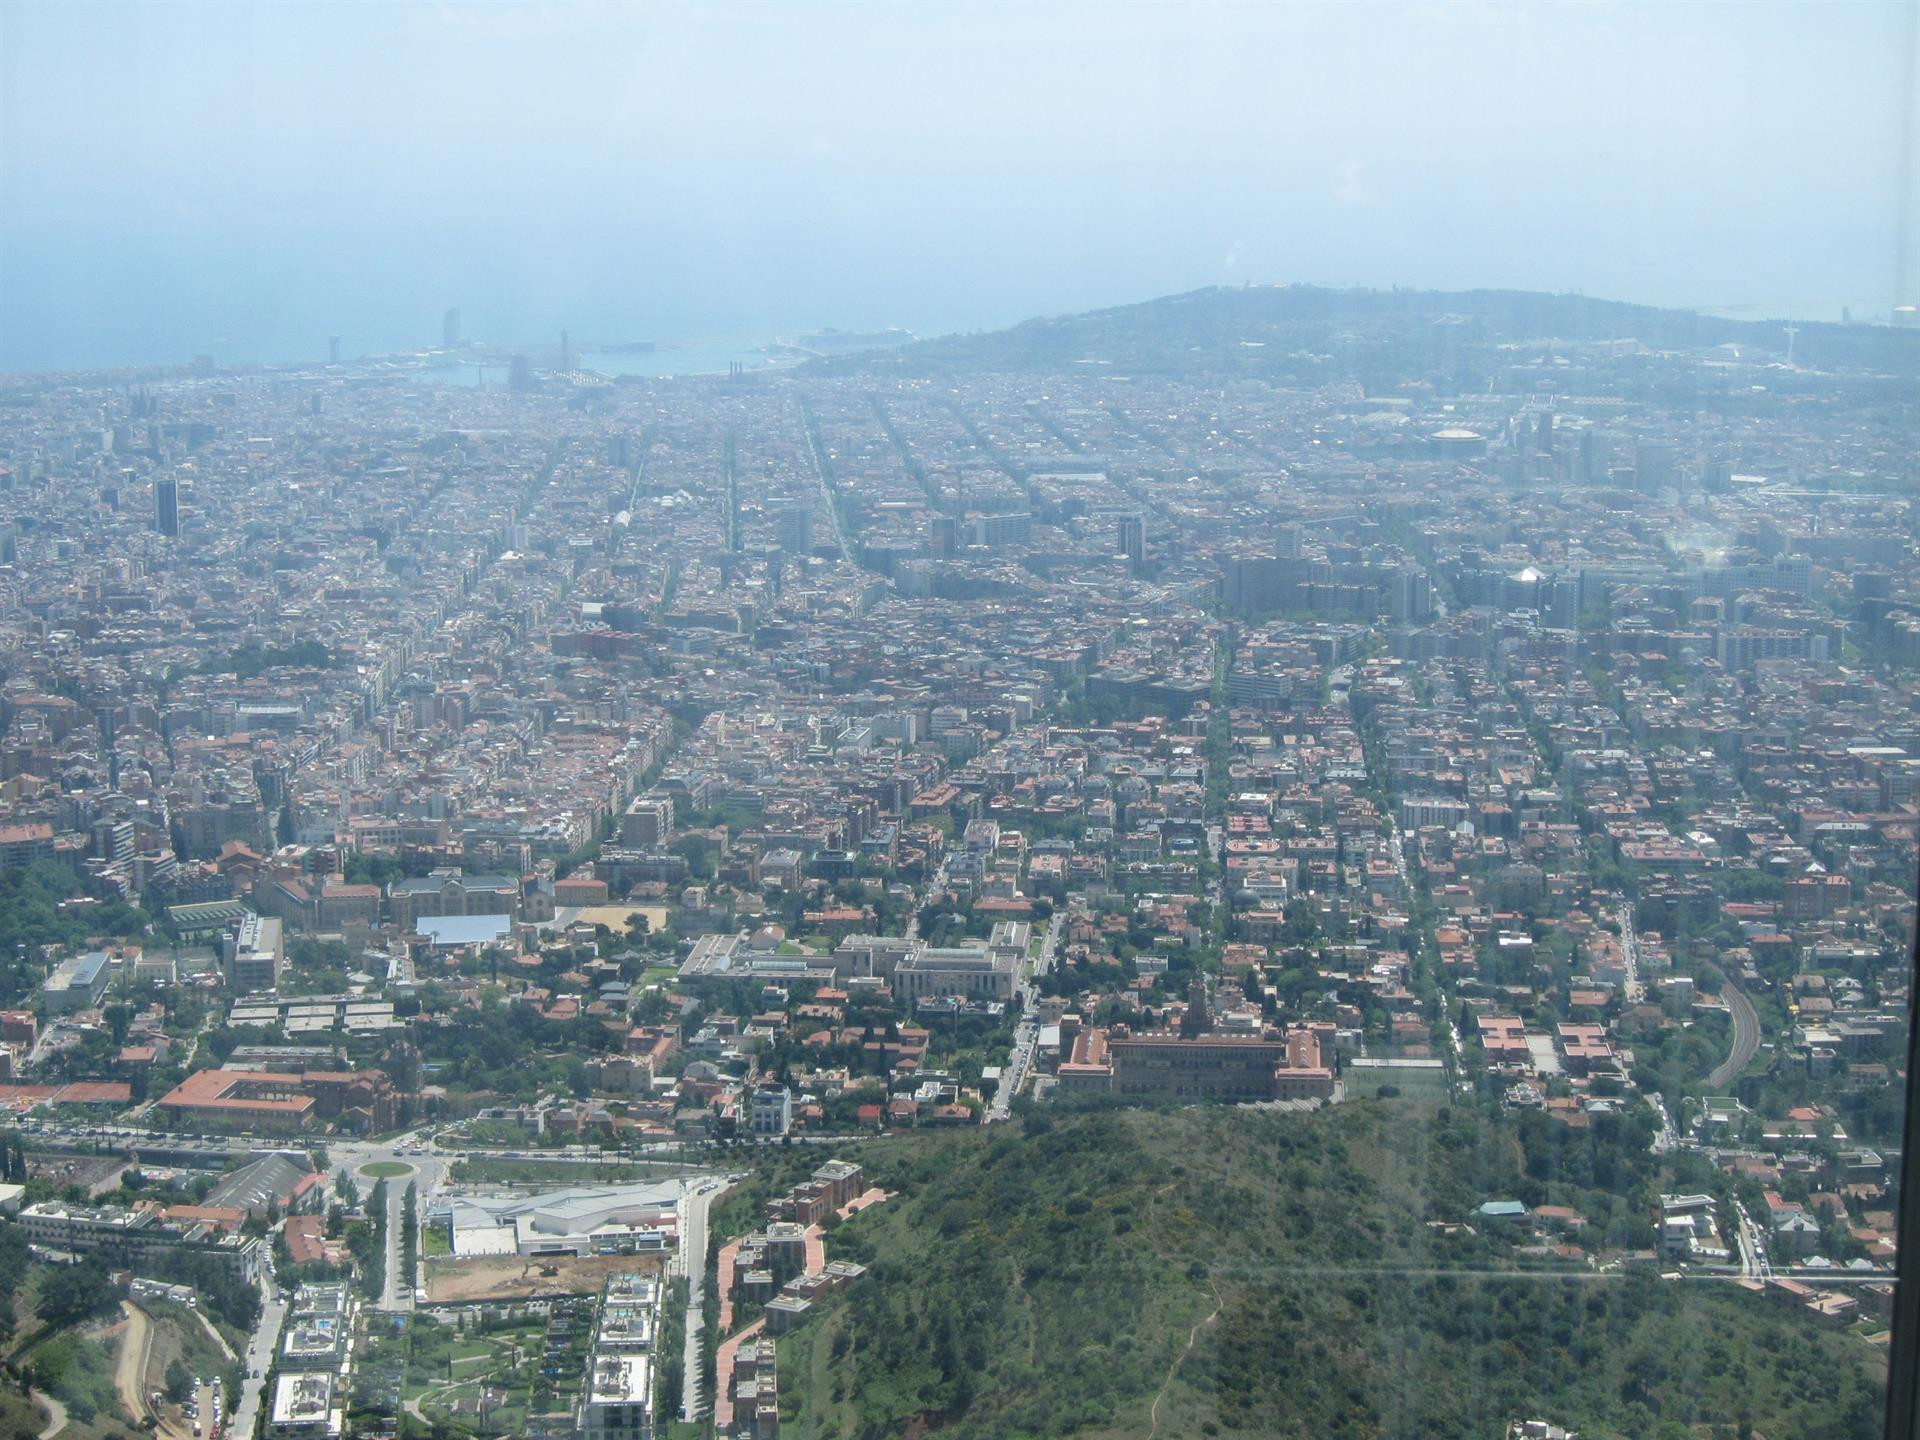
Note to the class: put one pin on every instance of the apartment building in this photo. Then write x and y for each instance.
(130, 1236)
(254, 955)
(616, 1402)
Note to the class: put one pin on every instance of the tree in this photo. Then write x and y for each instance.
(179, 1380)
(73, 1292)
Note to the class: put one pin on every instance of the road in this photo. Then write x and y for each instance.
(258, 1360)
(1630, 954)
(1026, 1034)
(819, 464)
(934, 888)
(347, 1155)
(427, 1167)
(397, 1294)
(1397, 848)
(1746, 1039)
(695, 1201)
(1753, 1246)
(1749, 1263)
(1668, 1138)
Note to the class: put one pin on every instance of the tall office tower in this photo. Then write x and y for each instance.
(1410, 595)
(945, 536)
(520, 374)
(333, 349)
(1653, 466)
(450, 329)
(1288, 547)
(166, 505)
(795, 521)
(1133, 540)
(566, 353)
(1543, 433)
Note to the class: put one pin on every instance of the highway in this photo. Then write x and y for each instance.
(1746, 1039)
(428, 1160)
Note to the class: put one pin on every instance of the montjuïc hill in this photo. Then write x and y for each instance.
(1305, 333)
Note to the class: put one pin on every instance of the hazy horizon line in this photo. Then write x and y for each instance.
(499, 352)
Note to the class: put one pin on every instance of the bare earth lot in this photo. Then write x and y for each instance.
(510, 1277)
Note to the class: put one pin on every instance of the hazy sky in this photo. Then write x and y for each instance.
(247, 179)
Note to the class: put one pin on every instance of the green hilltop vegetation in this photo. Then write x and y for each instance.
(1310, 334)
(1212, 1271)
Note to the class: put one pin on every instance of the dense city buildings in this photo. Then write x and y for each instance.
(1363, 708)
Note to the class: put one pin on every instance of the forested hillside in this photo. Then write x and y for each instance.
(1051, 1283)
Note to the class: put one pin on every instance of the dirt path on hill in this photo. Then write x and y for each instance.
(1192, 1336)
(56, 1412)
(130, 1365)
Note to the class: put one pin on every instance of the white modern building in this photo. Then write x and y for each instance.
(616, 1403)
(307, 1406)
(582, 1220)
(77, 983)
(254, 955)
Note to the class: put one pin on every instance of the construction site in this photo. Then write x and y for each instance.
(513, 1277)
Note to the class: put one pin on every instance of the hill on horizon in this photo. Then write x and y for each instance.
(1291, 331)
